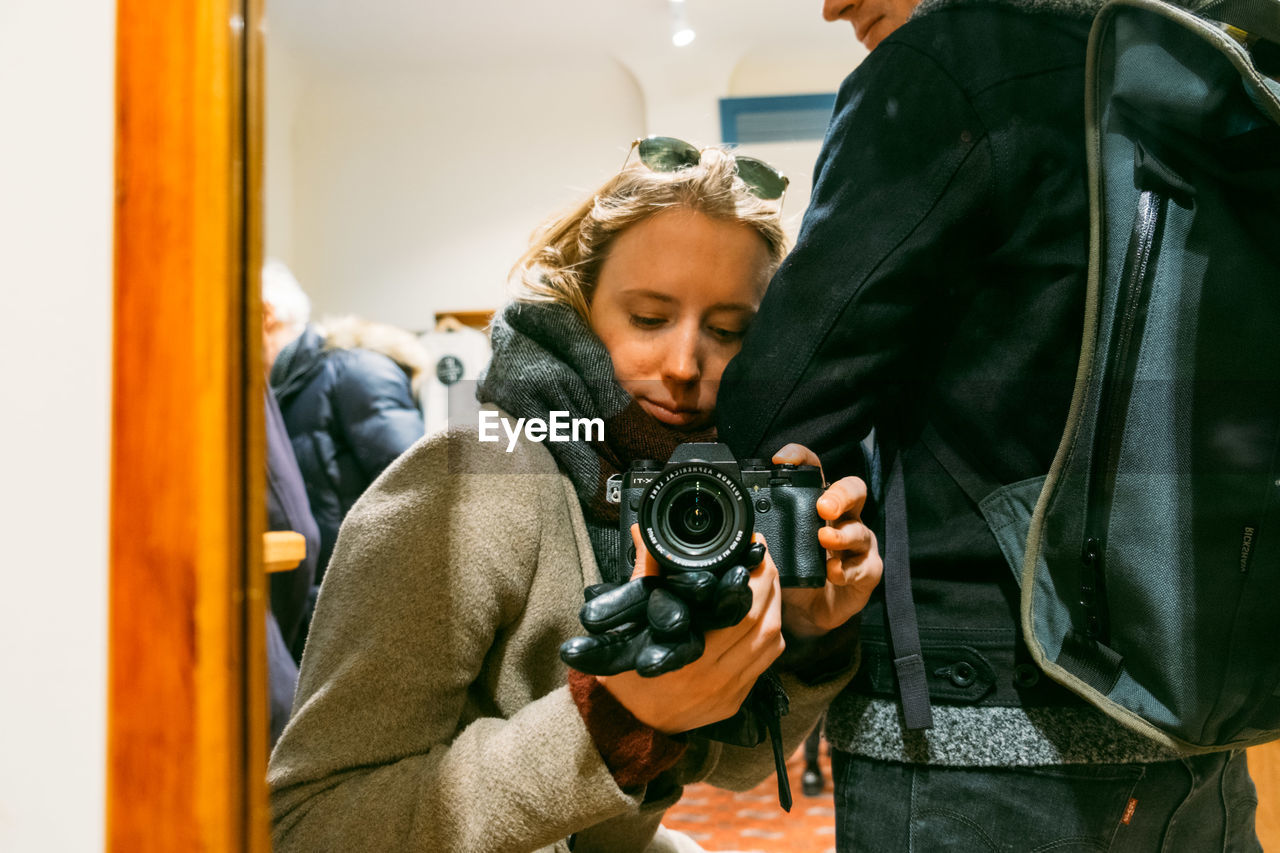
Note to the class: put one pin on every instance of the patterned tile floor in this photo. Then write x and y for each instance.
(753, 822)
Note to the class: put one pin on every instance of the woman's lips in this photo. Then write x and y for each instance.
(678, 417)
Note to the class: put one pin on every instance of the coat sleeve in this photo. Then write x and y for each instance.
(373, 403)
(855, 317)
(288, 509)
(426, 570)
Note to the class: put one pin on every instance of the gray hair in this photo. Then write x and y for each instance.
(286, 297)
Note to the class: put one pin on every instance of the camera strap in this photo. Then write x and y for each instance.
(774, 705)
(759, 717)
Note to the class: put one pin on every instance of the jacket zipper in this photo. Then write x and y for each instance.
(1114, 408)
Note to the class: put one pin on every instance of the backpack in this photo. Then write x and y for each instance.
(1149, 556)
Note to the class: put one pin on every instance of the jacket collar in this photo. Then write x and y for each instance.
(1072, 8)
(297, 363)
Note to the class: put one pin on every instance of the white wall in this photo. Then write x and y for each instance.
(56, 93)
(395, 191)
(414, 191)
(284, 85)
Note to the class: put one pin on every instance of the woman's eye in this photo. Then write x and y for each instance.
(727, 334)
(642, 322)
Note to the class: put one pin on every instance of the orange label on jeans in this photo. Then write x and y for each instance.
(1128, 811)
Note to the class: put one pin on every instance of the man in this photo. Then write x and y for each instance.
(946, 244)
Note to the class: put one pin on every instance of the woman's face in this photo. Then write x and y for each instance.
(671, 304)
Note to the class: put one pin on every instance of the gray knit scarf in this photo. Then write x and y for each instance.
(546, 358)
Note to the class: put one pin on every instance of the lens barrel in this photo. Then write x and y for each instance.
(696, 517)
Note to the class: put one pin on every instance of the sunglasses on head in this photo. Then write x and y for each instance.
(668, 154)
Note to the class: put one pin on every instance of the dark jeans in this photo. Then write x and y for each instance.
(1194, 805)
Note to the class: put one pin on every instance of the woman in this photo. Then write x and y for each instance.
(433, 711)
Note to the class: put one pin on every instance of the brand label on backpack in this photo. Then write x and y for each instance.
(1246, 548)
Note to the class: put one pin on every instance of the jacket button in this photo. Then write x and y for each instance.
(1026, 675)
(962, 673)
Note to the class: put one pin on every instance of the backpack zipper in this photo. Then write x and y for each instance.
(1114, 408)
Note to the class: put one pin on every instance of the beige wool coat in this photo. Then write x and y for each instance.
(432, 711)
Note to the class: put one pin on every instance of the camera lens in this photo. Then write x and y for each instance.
(695, 518)
(691, 515)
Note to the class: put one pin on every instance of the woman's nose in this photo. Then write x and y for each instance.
(682, 361)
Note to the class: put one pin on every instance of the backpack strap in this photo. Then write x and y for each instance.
(900, 608)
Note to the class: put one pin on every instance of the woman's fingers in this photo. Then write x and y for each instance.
(851, 536)
(760, 631)
(659, 658)
(733, 597)
(850, 568)
(694, 587)
(844, 497)
(619, 606)
(681, 692)
(846, 538)
(752, 654)
(645, 565)
(796, 454)
(764, 586)
(669, 616)
(604, 654)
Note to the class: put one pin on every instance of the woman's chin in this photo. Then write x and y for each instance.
(686, 421)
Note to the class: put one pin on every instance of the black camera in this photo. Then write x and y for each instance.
(698, 511)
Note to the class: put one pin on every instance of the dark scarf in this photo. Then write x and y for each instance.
(546, 358)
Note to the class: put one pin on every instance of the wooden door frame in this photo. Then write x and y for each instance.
(186, 730)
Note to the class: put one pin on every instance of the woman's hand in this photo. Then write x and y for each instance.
(713, 687)
(853, 560)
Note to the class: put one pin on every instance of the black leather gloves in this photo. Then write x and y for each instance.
(657, 624)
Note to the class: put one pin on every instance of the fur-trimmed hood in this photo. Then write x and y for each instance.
(402, 347)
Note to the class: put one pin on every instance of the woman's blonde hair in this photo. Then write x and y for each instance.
(566, 253)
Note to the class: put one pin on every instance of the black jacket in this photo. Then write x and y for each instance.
(288, 508)
(938, 278)
(349, 413)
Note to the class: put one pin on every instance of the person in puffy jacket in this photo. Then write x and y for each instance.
(347, 391)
